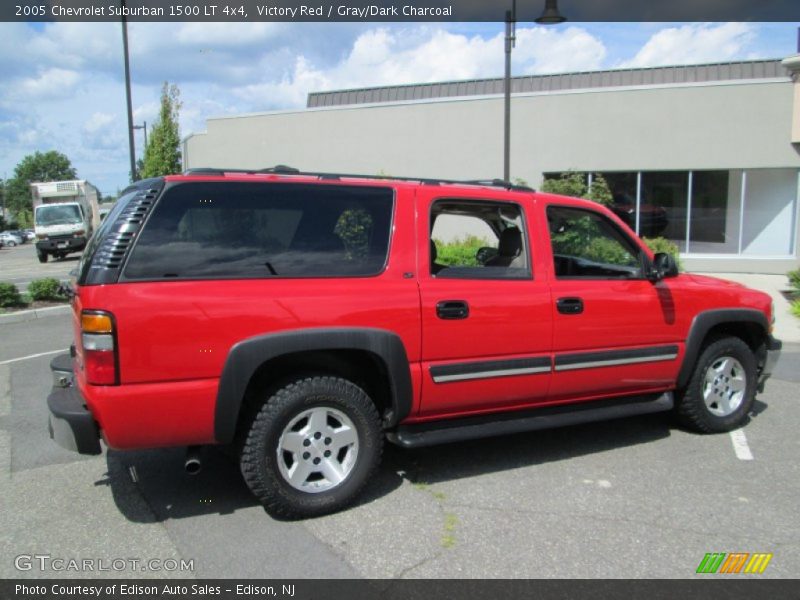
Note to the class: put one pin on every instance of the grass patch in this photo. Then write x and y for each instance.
(449, 529)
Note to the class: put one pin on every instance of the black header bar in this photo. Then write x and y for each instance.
(395, 10)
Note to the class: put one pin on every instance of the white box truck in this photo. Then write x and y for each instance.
(65, 214)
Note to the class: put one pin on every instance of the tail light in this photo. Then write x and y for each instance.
(99, 342)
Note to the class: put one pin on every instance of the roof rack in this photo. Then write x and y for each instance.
(286, 170)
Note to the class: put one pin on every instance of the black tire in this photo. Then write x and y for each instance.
(282, 417)
(703, 406)
(42, 256)
(11, 243)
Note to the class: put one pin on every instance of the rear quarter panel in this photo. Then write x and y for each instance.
(173, 337)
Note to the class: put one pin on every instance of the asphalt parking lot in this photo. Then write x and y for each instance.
(19, 265)
(632, 498)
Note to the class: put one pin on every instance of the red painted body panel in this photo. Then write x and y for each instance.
(173, 337)
(508, 319)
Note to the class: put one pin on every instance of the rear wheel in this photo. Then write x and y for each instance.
(722, 388)
(312, 447)
(11, 243)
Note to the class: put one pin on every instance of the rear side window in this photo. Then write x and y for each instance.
(245, 230)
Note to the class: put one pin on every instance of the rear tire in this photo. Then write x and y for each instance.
(722, 388)
(311, 447)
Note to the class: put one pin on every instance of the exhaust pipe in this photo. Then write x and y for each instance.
(193, 464)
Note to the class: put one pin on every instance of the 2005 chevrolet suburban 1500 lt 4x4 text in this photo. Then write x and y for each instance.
(302, 318)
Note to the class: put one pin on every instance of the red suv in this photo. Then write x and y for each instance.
(302, 318)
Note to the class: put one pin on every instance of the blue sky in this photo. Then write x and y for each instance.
(61, 84)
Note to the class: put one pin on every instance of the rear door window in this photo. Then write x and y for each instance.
(245, 230)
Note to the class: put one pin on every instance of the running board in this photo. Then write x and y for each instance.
(547, 417)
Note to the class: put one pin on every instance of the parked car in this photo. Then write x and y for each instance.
(302, 319)
(652, 219)
(30, 235)
(10, 239)
(21, 234)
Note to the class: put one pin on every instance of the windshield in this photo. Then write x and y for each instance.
(58, 214)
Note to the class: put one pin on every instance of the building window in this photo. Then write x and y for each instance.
(713, 228)
(769, 212)
(737, 212)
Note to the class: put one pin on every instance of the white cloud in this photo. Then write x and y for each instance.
(695, 43)
(102, 132)
(555, 51)
(49, 84)
(389, 57)
(98, 121)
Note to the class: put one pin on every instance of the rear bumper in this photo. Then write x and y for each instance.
(70, 423)
(773, 354)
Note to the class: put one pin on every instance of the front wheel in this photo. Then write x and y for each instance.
(312, 447)
(722, 388)
(11, 243)
(42, 256)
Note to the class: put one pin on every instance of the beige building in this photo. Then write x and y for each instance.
(706, 155)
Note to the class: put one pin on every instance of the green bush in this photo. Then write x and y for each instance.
(574, 184)
(795, 308)
(662, 244)
(45, 289)
(460, 252)
(794, 278)
(10, 296)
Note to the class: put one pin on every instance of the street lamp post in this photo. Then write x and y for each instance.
(131, 146)
(511, 22)
(144, 127)
(549, 16)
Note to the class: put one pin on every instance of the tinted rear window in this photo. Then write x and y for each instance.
(242, 230)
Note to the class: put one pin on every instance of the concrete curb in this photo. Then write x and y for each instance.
(37, 313)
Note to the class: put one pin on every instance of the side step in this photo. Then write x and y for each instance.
(547, 417)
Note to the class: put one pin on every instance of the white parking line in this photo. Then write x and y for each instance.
(740, 446)
(30, 356)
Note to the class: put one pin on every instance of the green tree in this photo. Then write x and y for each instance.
(36, 167)
(568, 184)
(599, 191)
(574, 184)
(162, 156)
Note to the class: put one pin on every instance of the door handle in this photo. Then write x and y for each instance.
(452, 309)
(569, 306)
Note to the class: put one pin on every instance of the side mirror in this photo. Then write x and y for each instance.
(664, 265)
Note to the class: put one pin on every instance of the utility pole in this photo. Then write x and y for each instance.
(131, 146)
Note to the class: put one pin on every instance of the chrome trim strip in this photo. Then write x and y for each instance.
(490, 374)
(616, 362)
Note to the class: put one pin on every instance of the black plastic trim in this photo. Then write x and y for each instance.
(548, 417)
(287, 170)
(703, 323)
(772, 354)
(107, 251)
(248, 355)
(590, 359)
(490, 368)
(71, 424)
